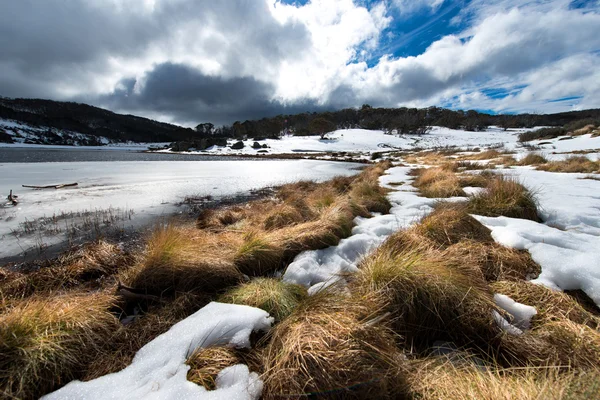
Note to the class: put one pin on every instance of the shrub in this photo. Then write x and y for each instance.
(543, 133)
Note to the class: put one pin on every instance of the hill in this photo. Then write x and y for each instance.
(51, 121)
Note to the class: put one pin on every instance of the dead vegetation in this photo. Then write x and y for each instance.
(437, 182)
(572, 164)
(504, 196)
(329, 348)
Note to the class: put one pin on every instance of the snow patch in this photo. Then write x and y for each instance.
(158, 370)
(521, 313)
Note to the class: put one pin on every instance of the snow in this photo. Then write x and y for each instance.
(317, 269)
(150, 189)
(370, 141)
(505, 325)
(158, 370)
(576, 143)
(521, 313)
(569, 259)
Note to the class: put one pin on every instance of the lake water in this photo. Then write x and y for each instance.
(41, 155)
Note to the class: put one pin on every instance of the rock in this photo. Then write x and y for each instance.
(5, 137)
(264, 146)
(237, 145)
(256, 145)
(263, 151)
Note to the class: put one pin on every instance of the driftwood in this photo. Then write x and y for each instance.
(12, 198)
(62, 185)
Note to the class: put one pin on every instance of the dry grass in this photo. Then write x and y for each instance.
(119, 349)
(276, 297)
(185, 260)
(206, 363)
(533, 159)
(551, 305)
(371, 196)
(328, 348)
(441, 379)
(437, 183)
(495, 261)
(485, 155)
(258, 254)
(450, 223)
(45, 342)
(572, 164)
(85, 267)
(432, 297)
(505, 196)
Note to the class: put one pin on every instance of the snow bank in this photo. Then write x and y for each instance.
(158, 370)
(565, 200)
(319, 268)
(569, 260)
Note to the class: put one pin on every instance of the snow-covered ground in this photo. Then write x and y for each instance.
(135, 191)
(567, 244)
(369, 141)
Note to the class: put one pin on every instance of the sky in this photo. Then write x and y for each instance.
(193, 61)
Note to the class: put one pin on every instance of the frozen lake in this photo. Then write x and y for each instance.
(130, 193)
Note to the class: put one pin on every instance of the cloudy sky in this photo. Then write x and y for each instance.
(190, 61)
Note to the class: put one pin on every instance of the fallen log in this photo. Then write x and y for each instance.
(59, 186)
(12, 198)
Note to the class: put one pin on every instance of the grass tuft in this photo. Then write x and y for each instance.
(44, 342)
(276, 297)
(206, 363)
(437, 183)
(572, 164)
(449, 223)
(533, 159)
(328, 348)
(504, 196)
(432, 297)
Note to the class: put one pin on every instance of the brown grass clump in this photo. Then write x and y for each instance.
(436, 182)
(572, 164)
(276, 297)
(441, 379)
(179, 259)
(551, 305)
(45, 342)
(83, 267)
(371, 196)
(449, 224)
(258, 254)
(495, 261)
(432, 297)
(293, 212)
(328, 348)
(206, 363)
(486, 155)
(504, 196)
(533, 159)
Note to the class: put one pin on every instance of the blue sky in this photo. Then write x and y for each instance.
(190, 61)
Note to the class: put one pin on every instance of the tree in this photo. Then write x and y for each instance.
(321, 126)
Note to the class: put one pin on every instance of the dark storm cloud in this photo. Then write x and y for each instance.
(192, 97)
(46, 45)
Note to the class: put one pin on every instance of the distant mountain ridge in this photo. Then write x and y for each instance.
(76, 118)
